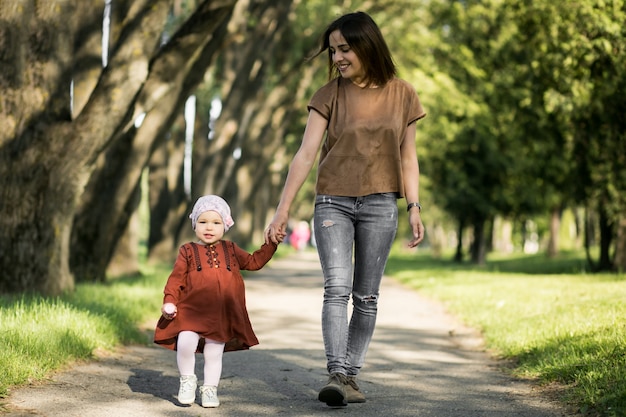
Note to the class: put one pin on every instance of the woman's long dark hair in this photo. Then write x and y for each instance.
(365, 38)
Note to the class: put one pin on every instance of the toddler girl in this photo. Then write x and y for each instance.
(204, 309)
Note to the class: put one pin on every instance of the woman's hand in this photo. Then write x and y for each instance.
(169, 310)
(415, 220)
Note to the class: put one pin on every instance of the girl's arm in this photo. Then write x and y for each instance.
(256, 260)
(177, 280)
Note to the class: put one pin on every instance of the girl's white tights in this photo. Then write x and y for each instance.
(186, 357)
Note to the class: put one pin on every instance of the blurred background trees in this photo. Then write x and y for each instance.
(116, 115)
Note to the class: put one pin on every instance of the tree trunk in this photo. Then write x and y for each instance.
(579, 222)
(88, 61)
(125, 260)
(523, 233)
(33, 233)
(253, 120)
(619, 260)
(169, 206)
(555, 226)
(606, 237)
(588, 238)
(458, 255)
(35, 195)
(45, 157)
(177, 69)
(247, 110)
(93, 242)
(490, 234)
(479, 253)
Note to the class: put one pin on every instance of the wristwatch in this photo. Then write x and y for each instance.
(411, 205)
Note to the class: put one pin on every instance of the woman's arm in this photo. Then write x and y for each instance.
(298, 171)
(411, 176)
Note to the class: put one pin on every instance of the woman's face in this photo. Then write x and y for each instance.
(344, 58)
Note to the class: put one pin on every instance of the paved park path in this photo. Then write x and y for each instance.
(422, 362)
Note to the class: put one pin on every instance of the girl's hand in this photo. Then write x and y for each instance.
(169, 310)
(276, 231)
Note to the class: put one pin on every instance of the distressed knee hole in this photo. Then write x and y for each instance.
(328, 223)
(369, 299)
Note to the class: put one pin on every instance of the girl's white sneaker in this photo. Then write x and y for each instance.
(209, 396)
(187, 390)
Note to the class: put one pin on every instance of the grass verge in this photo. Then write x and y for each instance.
(39, 335)
(551, 320)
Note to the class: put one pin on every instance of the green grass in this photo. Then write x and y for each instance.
(39, 335)
(549, 319)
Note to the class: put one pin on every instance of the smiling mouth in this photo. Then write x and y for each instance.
(342, 67)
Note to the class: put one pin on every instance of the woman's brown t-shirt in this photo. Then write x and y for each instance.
(366, 127)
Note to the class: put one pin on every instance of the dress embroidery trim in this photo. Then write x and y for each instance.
(196, 256)
(212, 257)
(226, 254)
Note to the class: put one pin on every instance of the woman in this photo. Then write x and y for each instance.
(368, 160)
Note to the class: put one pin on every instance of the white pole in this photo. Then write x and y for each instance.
(106, 29)
(190, 118)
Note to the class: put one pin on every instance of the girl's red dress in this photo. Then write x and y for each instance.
(207, 288)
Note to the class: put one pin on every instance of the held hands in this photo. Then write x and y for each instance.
(277, 229)
(417, 227)
(169, 310)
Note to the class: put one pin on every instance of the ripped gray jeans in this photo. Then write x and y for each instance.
(347, 229)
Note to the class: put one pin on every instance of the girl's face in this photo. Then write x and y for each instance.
(347, 62)
(210, 227)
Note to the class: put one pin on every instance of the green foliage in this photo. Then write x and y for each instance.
(530, 111)
(553, 322)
